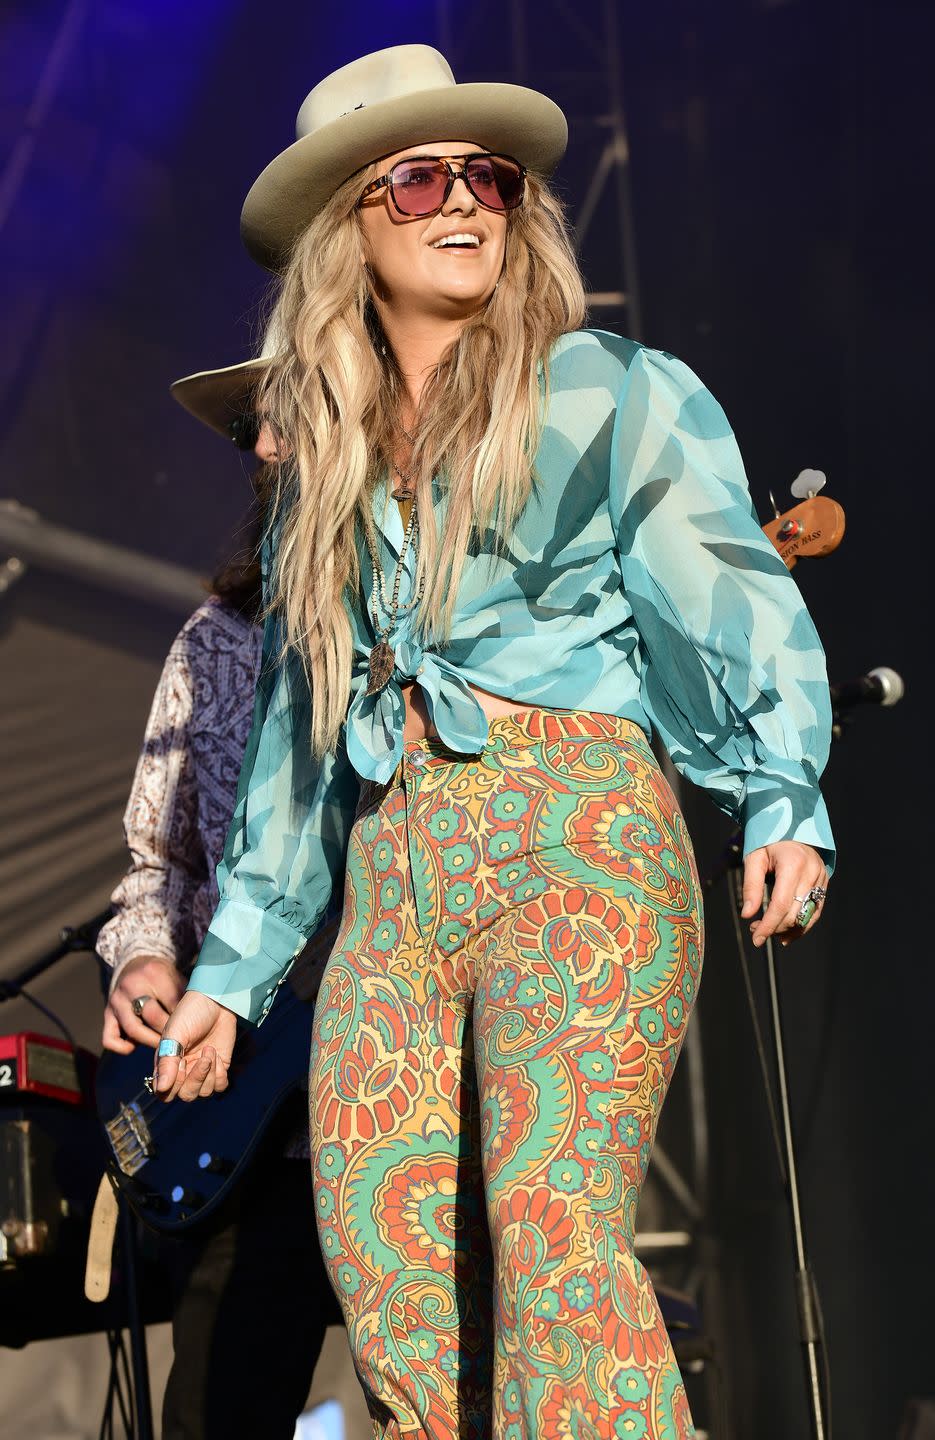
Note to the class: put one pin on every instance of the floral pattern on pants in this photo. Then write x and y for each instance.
(495, 1034)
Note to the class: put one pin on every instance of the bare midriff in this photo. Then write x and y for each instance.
(418, 726)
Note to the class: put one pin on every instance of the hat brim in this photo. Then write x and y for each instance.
(218, 397)
(300, 180)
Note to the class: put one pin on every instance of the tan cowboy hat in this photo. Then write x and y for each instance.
(374, 106)
(221, 398)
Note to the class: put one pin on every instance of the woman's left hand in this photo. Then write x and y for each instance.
(796, 869)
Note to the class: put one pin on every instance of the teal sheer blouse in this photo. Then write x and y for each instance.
(637, 583)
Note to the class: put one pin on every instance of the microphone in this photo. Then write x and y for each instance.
(881, 686)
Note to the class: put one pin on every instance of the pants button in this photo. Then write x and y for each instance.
(417, 760)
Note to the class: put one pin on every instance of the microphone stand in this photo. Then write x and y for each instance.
(71, 938)
(809, 1311)
(811, 1329)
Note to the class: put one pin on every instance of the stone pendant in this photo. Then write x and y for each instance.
(380, 667)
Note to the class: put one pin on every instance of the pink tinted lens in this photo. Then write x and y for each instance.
(496, 181)
(419, 186)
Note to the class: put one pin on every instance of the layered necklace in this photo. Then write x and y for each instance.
(382, 660)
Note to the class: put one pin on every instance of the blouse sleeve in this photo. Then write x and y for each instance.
(733, 673)
(286, 844)
(153, 902)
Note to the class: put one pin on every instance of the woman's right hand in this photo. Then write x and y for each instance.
(206, 1032)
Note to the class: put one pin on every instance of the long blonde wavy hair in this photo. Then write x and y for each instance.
(334, 395)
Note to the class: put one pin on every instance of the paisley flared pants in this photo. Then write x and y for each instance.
(494, 1037)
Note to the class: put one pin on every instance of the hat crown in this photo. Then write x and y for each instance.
(385, 75)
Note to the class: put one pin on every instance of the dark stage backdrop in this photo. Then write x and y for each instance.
(777, 168)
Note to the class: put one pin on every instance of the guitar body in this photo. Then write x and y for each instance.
(176, 1163)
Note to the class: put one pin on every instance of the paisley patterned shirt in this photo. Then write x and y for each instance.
(183, 794)
(637, 583)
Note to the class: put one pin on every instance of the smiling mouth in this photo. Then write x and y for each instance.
(460, 242)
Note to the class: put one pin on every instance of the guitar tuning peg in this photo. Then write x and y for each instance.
(808, 483)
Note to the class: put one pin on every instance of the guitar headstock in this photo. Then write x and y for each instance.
(813, 527)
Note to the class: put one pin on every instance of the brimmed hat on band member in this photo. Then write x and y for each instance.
(225, 398)
(221, 398)
(379, 104)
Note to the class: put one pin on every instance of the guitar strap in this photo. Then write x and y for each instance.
(101, 1242)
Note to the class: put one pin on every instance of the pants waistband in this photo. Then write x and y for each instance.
(529, 727)
(509, 732)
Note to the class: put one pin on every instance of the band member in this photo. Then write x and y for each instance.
(259, 1250)
(504, 549)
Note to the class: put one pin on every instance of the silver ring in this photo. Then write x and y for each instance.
(817, 893)
(139, 1005)
(170, 1049)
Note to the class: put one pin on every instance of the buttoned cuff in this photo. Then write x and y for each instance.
(246, 956)
(786, 804)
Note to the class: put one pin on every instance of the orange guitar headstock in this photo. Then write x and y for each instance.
(813, 527)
